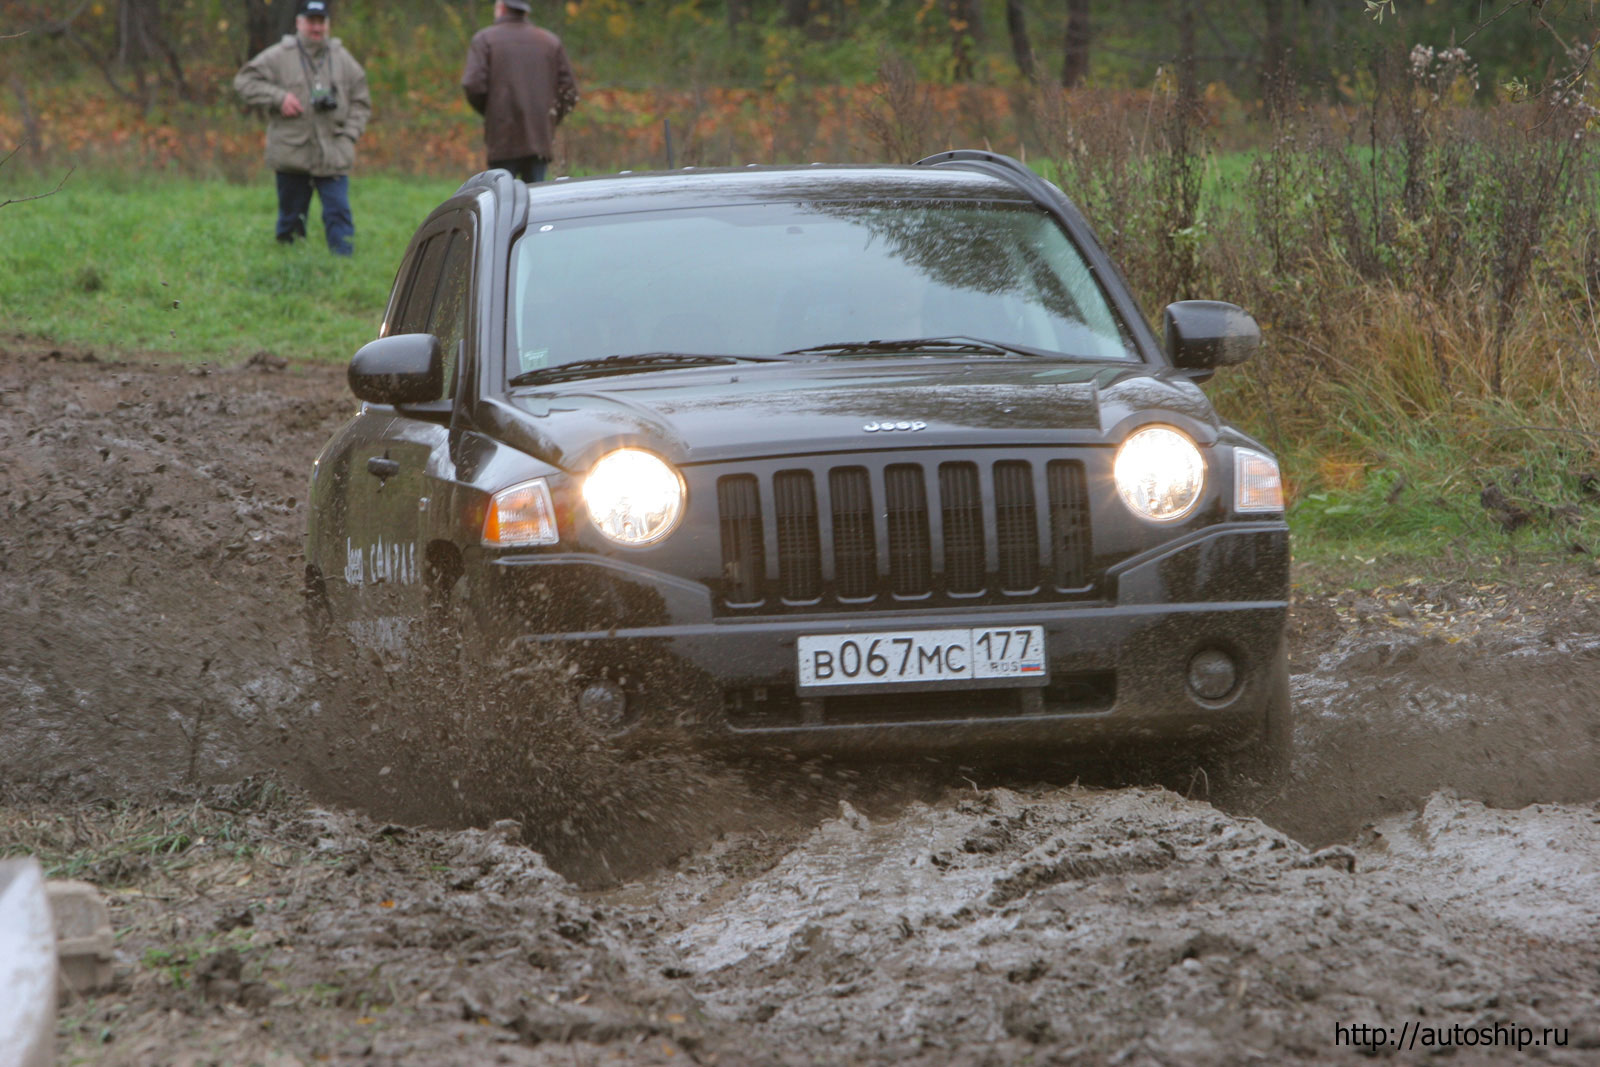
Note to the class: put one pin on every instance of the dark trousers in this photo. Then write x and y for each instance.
(294, 203)
(527, 168)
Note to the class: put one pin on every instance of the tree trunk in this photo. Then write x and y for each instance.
(1274, 58)
(158, 42)
(738, 18)
(265, 21)
(1021, 47)
(1075, 57)
(966, 29)
(140, 40)
(1188, 65)
(30, 118)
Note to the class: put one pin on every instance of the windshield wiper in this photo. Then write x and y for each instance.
(952, 345)
(609, 365)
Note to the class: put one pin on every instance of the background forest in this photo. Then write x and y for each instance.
(753, 80)
(1402, 191)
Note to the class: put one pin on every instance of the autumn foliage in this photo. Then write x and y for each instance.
(432, 131)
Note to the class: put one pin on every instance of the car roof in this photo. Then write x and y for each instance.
(655, 190)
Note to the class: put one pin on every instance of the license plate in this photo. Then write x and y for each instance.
(914, 659)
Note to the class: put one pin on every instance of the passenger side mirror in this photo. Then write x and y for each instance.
(1203, 335)
(404, 368)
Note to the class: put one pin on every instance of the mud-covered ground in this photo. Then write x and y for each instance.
(1430, 865)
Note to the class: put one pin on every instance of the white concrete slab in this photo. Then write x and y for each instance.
(27, 967)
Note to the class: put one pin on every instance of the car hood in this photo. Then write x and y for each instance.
(750, 410)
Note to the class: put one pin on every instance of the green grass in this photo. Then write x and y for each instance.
(121, 843)
(1436, 510)
(189, 267)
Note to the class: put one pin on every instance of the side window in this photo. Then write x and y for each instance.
(400, 290)
(411, 316)
(449, 322)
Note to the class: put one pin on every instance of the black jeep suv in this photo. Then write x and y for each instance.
(830, 456)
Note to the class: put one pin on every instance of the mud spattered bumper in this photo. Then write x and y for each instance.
(1119, 667)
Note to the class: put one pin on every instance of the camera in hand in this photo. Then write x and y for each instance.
(324, 99)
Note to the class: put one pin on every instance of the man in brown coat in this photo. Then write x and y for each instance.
(519, 80)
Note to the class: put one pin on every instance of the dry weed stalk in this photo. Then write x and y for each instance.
(900, 121)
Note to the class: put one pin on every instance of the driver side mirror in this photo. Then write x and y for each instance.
(1203, 335)
(404, 368)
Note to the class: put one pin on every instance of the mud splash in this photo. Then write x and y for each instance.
(149, 567)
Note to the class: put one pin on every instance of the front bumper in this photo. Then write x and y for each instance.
(1118, 667)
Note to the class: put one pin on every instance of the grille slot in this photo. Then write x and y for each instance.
(794, 498)
(961, 503)
(744, 554)
(855, 540)
(804, 534)
(1069, 523)
(1016, 522)
(906, 505)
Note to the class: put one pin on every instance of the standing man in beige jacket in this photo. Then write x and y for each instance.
(315, 96)
(519, 80)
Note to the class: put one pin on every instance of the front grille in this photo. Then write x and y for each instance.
(905, 532)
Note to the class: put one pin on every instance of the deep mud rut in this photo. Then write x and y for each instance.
(1432, 862)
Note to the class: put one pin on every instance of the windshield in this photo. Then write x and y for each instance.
(764, 279)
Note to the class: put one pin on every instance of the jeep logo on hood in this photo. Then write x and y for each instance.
(888, 424)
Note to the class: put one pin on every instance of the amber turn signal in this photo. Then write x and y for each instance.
(521, 515)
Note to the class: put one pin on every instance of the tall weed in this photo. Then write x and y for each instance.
(1425, 270)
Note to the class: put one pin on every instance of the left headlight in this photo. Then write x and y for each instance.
(634, 497)
(1159, 474)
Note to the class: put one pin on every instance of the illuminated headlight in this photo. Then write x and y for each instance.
(1257, 485)
(521, 515)
(634, 497)
(1159, 474)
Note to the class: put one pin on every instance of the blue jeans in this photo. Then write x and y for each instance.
(526, 168)
(294, 203)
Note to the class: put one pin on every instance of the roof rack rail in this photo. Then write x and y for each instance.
(507, 189)
(1003, 166)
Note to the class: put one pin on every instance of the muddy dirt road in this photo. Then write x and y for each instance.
(1431, 865)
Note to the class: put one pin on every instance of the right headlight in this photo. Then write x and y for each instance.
(1159, 474)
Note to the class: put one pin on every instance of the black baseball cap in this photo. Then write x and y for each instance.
(313, 8)
(518, 5)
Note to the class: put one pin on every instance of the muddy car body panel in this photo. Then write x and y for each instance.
(861, 524)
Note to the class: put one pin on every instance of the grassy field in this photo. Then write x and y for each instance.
(190, 267)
